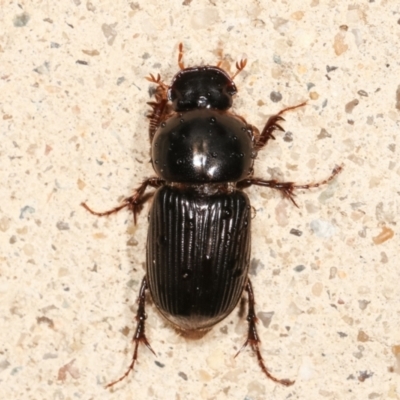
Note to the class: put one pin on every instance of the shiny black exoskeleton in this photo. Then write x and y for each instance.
(201, 87)
(203, 146)
(198, 254)
(198, 246)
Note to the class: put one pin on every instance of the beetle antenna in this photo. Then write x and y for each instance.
(180, 56)
(239, 67)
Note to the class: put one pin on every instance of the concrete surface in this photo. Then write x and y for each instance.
(73, 128)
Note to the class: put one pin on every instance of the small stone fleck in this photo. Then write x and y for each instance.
(299, 268)
(21, 20)
(81, 184)
(265, 317)
(322, 229)
(288, 137)
(276, 272)
(224, 329)
(363, 304)
(109, 32)
(28, 249)
(374, 395)
(5, 223)
(90, 6)
(332, 272)
(4, 365)
(161, 365)
(132, 242)
(359, 354)
(49, 356)
(183, 376)
(91, 52)
(275, 97)
(329, 68)
(362, 336)
(398, 98)
(125, 330)
(339, 44)
(349, 107)
(73, 371)
(295, 232)
(317, 289)
(255, 266)
(62, 226)
(324, 134)
(386, 234)
(26, 209)
(364, 375)
(396, 350)
(362, 232)
(277, 59)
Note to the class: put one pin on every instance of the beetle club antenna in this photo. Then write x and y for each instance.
(239, 67)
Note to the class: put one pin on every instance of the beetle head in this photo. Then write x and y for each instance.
(201, 87)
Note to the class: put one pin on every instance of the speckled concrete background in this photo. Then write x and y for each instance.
(73, 128)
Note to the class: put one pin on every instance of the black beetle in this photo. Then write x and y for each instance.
(198, 245)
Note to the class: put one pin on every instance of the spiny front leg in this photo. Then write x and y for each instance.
(253, 339)
(287, 188)
(139, 336)
(159, 108)
(135, 202)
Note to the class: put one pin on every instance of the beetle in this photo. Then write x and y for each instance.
(198, 243)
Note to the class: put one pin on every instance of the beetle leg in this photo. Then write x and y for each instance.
(160, 107)
(139, 336)
(273, 124)
(134, 202)
(288, 188)
(253, 339)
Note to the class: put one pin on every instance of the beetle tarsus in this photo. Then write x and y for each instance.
(253, 339)
(273, 125)
(139, 336)
(104, 213)
(288, 188)
(135, 202)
